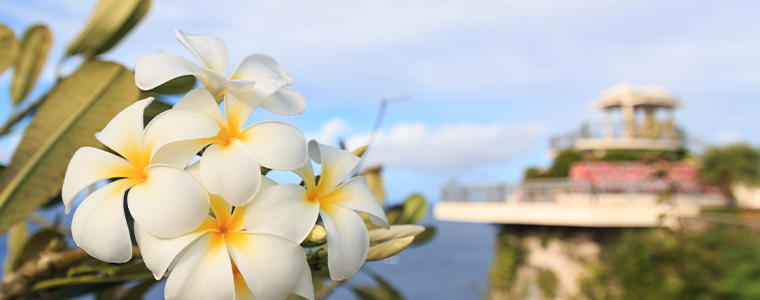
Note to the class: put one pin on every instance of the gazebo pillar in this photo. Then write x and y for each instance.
(629, 124)
(609, 130)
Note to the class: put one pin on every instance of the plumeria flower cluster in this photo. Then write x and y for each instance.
(218, 229)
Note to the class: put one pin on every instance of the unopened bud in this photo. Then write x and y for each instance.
(318, 234)
(387, 249)
(396, 231)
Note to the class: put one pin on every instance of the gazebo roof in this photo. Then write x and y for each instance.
(626, 94)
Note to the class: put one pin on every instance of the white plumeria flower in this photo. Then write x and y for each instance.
(165, 200)
(335, 202)
(223, 260)
(230, 166)
(257, 78)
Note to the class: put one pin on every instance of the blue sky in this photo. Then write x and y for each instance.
(488, 81)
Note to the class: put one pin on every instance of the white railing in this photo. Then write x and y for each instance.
(548, 190)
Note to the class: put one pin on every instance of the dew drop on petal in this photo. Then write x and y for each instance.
(277, 84)
(242, 168)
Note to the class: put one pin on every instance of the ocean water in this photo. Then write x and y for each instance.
(453, 265)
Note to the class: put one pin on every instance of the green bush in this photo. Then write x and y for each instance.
(719, 263)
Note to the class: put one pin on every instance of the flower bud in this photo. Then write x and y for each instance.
(396, 231)
(387, 249)
(318, 234)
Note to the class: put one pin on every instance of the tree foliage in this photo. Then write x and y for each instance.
(718, 263)
(723, 167)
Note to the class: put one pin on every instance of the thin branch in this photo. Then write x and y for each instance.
(378, 122)
(47, 265)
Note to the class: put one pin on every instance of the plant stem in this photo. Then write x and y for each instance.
(47, 265)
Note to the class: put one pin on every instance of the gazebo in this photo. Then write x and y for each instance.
(644, 122)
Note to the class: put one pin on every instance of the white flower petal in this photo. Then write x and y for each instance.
(203, 272)
(307, 174)
(278, 145)
(124, 132)
(156, 69)
(201, 100)
(159, 253)
(285, 101)
(231, 172)
(355, 194)
(271, 265)
(238, 108)
(100, 227)
(256, 66)
(337, 164)
(195, 170)
(170, 202)
(347, 240)
(88, 166)
(178, 154)
(242, 292)
(210, 51)
(305, 287)
(178, 125)
(265, 213)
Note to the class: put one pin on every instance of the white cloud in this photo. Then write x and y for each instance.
(330, 132)
(449, 147)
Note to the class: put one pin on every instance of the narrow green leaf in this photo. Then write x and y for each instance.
(137, 292)
(390, 291)
(34, 50)
(77, 108)
(38, 243)
(9, 47)
(415, 210)
(360, 151)
(106, 294)
(425, 236)
(179, 85)
(393, 214)
(363, 294)
(108, 24)
(77, 290)
(154, 109)
(14, 245)
(374, 178)
(87, 279)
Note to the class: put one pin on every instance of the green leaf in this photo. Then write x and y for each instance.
(415, 210)
(137, 292)
(38, 243)
(374, 178)
(109, 23)
(390, 291)
(179, 85)
(155, 108)
(360, 151)
(425, 236)
(32, 55)
(9, 47)
(393, 214)
(78, 290)
(363, 294)
(14, 245)
(87, 279)
(77, 108)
